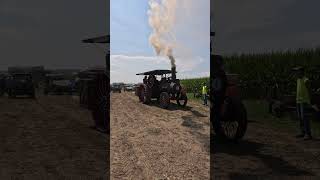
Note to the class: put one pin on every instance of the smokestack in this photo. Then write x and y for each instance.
(173, 67)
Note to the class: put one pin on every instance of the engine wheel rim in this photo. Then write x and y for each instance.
(230, 128)
(182, 101)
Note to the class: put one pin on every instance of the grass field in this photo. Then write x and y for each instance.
(198, 99)
(258, 111)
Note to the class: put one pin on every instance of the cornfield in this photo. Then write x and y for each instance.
(261, 73)
(194, 85)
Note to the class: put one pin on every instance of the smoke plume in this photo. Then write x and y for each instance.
(162, 16)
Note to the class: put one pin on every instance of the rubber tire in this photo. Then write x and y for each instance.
(185, 98)
(140, 93)
(100, 109)
(164, 100)
(236, 110)
(146, 95)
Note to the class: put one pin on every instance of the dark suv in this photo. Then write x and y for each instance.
(20, 84)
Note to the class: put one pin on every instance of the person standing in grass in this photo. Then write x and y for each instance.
(303, 100)
(205, 94)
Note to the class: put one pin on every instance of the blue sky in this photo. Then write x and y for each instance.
(131, 51)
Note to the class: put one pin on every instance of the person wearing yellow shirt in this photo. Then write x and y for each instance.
(205, 94)
(302, 101)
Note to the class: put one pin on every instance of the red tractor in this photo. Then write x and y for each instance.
(233, 121)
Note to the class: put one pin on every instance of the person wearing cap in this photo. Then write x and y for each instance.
(205, 94)
(302, 101)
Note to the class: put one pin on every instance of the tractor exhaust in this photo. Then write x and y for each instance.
(173, 67)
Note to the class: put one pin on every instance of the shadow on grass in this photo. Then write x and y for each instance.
(175, 107)
(247, 148)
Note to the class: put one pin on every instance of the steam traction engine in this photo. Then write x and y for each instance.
(164, 90)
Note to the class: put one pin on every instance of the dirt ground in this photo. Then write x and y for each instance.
(266, 152)
(148, 142)
(49, 138)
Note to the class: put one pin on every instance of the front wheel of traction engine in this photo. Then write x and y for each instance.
(182, 100)
(234, 124)
(164, 100)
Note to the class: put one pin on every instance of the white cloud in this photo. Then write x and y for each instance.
(123, 67)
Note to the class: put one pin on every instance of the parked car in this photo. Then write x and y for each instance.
(20, 84)
(116, 87)
(128, 87)
(58, 84)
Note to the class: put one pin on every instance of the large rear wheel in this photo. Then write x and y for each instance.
(140, 93)
(164, 100)
(182, 100)
(100, 108)
(234, 124)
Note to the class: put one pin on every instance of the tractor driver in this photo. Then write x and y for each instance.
(152, 80)
(163, 78)
(145, 79)
(217, 96)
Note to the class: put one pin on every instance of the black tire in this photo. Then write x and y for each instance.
(182, 100)
(164, 100)
(146, 95)
(100, 108)
(140, 93)
(235, 116)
